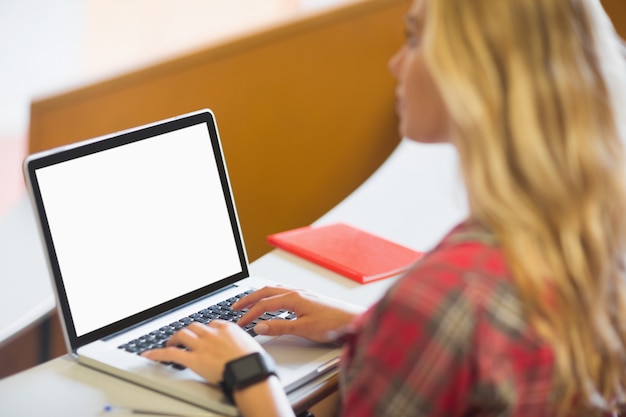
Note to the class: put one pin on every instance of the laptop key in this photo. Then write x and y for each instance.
(265, 316)
(196, 316)
(177, 325)
(249, 328)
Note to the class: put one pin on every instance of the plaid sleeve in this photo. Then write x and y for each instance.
(449, 339)
(411, 356)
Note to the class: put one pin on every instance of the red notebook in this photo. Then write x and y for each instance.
(349, 251)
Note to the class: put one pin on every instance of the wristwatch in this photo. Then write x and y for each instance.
(245, 371)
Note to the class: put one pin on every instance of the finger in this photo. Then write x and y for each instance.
(185, 337)
(229, 329)
(200, 329)
(218, 324)
(283, 301)
(278, 328)
(258, 295)
(168, 354)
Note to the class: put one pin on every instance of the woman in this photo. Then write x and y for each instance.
(521, 309)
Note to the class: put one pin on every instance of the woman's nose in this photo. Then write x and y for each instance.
(395, 62)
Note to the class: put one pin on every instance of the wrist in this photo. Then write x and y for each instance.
(265, 398)
(260, 389)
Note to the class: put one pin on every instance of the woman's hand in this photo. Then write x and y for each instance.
(318, 318)
(210, 347)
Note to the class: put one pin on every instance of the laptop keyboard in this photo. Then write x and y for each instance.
(222, 310)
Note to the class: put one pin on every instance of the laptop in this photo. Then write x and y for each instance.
(141, 234)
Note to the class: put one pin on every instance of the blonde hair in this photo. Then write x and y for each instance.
(535, 92)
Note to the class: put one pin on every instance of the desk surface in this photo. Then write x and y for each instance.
(414, 198)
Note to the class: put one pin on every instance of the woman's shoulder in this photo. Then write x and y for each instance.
(467, 264)
(467, 251)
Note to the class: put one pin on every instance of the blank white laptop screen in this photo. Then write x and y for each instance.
(117, 253)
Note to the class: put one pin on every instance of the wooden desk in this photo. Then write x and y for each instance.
(414, 198)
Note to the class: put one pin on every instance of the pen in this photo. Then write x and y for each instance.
(112, 408)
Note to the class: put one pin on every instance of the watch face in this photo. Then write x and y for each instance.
(247, 367)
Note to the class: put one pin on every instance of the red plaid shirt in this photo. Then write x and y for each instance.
(448, 339)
